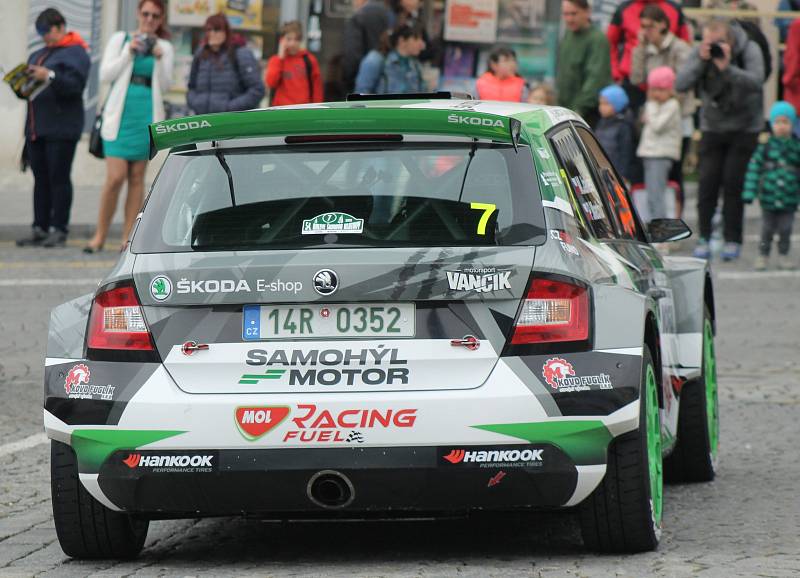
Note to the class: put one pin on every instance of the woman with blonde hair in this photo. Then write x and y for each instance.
(138, 66)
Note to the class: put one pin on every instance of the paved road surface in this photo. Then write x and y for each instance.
(743, 524)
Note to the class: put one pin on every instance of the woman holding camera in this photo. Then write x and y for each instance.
(139, 67)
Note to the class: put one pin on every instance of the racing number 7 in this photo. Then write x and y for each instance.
(488, 209)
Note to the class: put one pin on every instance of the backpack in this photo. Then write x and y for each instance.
(755, 34)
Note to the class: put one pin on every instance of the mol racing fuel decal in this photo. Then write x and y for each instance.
(310, 423)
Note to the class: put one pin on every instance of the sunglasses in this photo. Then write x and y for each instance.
(214, 29)
(153, 15)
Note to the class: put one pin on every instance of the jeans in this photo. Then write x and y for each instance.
(656, 173)
(776, 222)
(723, 162)
(51, 164)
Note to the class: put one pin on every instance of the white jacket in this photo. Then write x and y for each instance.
(663, 130)
(116, 67)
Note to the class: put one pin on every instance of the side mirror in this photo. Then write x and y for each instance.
(666, 230)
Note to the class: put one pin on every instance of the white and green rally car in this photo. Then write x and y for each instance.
(394, 307)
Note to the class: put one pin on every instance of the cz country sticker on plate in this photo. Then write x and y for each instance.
(314, 321)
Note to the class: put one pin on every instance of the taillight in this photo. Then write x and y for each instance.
(553, 311)
(117, 322)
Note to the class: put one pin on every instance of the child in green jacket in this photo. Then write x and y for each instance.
(773, 175)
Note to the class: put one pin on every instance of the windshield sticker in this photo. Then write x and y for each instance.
(550, 179)
(565, 240)
(339, 223)
(543, 154)
(478, 279)
(488, 209)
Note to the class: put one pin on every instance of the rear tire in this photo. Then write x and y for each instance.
(85, 527)
(694, 458)
(623, 514)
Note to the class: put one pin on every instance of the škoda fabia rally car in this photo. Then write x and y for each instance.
(382, 307)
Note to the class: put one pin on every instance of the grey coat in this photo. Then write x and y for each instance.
(216, 84)
(732, 100)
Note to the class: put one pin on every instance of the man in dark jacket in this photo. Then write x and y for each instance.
(362, 33)
(728, 69)
(53, 126)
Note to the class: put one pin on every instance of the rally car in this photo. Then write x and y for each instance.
(383, 307)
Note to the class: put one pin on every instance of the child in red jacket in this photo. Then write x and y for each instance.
(293, 74)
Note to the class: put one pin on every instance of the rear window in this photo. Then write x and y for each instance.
(313, 196)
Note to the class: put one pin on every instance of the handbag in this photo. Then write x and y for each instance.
(95, 140)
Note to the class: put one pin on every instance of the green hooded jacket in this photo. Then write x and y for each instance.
(773, 175)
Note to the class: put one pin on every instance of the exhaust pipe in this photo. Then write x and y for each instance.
(330, 489)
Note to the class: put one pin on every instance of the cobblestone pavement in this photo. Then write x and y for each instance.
(743, 524)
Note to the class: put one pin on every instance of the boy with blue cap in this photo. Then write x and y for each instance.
(773, 175)
(615, 129)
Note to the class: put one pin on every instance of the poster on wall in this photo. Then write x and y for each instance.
(189, 12)
(470, 21)
(245, 14)
(242, 14)
(521, 21)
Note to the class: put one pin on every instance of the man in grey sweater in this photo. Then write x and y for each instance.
(727, 69)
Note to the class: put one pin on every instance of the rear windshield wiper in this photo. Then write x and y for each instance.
(227, 169)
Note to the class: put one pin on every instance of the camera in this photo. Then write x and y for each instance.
(146, 44)
(716, 50)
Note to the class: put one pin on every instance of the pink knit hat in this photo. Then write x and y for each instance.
(661, 77)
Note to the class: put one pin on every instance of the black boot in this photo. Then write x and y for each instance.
(55, 239)
(35, 239)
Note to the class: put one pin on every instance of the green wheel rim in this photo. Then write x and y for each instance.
(710, 375)
(654, 464)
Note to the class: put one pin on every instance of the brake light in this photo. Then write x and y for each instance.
(553, 311)
(117, 322)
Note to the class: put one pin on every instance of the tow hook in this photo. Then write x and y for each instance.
(191, 346)
(469, 341)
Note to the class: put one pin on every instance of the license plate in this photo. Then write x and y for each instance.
(319, 321)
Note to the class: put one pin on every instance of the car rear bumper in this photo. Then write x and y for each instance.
(390, 445)
(276, 483)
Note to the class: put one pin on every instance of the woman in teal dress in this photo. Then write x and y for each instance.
(132, 143)
(138, 66)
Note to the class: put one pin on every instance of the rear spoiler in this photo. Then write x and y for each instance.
(321, 119)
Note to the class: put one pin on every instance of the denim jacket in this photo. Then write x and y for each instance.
(390, 74)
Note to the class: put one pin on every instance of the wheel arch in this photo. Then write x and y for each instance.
(651, 340)
(708, 300)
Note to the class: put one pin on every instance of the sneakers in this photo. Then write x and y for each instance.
(731, 251)
(702, 250)
(35, 239)
(55, 239)
(785, 263)
(760, 264)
